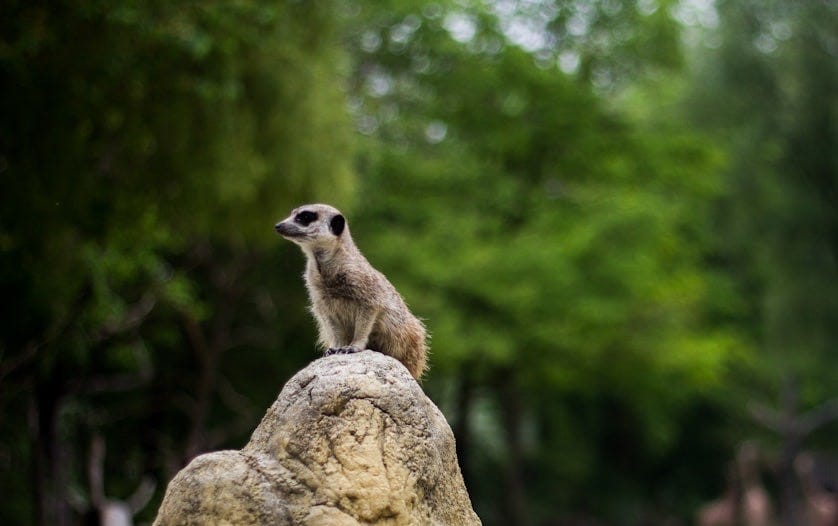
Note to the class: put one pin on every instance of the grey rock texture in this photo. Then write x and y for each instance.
(351, 440)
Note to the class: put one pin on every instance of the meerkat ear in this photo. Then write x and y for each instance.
(337, 224)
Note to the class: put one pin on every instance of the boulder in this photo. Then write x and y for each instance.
(352, 439)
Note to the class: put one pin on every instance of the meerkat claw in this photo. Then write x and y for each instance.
(346, 349)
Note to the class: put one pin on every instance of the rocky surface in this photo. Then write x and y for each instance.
(352, 439)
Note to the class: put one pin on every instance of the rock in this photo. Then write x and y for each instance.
(352, 439)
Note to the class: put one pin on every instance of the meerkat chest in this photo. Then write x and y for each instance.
(339, 316)
(342, 285)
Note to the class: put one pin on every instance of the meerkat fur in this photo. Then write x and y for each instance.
(355, 306)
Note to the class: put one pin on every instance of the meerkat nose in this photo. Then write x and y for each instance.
(278, 227)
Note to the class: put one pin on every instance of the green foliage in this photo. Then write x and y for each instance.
(556, 244)
(618, 226)
(778, 77)
(146, 150)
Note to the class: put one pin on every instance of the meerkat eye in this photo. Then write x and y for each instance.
(305, 218)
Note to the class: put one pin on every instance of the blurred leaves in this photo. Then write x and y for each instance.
(133, 134)
(616, 218)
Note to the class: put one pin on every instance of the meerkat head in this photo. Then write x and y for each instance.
(314, 227)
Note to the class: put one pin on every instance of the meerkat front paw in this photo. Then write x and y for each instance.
(346, 349)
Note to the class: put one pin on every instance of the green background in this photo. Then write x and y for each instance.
(618, 219)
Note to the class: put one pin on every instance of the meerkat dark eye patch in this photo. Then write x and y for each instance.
(305, 217)
(336, 224)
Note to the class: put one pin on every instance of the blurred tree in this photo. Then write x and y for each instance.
(770, 93)
(594, 269)
(557, 249)
(145, 150)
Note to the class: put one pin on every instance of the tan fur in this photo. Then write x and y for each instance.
(354, 304)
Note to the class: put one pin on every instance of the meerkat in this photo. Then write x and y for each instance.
(355, 306)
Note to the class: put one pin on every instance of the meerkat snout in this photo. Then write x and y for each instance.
(355, 306)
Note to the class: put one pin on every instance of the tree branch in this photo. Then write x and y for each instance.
(133, 318)
(770, 418)
(818, 417)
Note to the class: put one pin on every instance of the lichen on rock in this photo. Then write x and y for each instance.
(351, 439)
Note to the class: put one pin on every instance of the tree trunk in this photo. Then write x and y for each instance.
(465, 396)
(515, 503)
(208, 358)
(49, 457)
